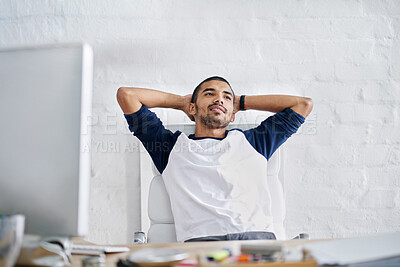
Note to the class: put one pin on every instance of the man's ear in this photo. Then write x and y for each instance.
(192, 109)
(233, 117)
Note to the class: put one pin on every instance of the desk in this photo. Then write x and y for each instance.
(196, 248)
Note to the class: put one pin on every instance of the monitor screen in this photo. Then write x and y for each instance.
(45, 105)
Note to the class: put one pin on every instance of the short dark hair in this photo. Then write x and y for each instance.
(213, 78)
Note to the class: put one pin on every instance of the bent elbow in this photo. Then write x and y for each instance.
(308, 105)
(127, 99)
(121, 93)
(124, 93)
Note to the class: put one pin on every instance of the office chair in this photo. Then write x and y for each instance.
(162, 228)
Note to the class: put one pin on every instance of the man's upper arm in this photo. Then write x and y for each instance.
(157, 140)
(127, 100)
(274, 131)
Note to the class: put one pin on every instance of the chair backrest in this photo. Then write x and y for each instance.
(162, 228)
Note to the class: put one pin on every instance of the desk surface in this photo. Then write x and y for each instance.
(202, 248)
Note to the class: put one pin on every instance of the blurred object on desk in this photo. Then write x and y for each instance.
(362, 251)
(11, 236)
(157, 256)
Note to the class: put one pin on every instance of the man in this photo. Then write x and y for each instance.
(216, 179)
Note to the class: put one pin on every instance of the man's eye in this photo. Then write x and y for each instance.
(228, 97)
(208, 94)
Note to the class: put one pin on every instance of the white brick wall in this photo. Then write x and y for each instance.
(343, 167)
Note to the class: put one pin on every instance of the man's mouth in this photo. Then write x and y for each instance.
(218, 108)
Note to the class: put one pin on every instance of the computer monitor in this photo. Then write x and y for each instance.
(45, 106)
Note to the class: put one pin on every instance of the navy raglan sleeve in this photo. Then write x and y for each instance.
(274, 131)
(157, 140)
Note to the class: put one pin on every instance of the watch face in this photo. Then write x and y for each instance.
(157, 256)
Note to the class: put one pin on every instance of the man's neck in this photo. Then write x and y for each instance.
(203, 131)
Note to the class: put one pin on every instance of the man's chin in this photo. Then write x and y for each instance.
(213, 123)
(220, 126)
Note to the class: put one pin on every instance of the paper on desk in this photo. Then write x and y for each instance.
(356, 250)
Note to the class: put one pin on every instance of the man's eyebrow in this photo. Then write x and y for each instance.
(208, 89)
(227, 92)
(212, 89)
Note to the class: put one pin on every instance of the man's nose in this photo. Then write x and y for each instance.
(219, 99)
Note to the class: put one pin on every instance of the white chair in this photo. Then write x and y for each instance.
(162, 228)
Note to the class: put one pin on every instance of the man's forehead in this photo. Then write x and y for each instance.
(216, 85)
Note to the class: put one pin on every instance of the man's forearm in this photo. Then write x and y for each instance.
(277, 103)
(131, 99)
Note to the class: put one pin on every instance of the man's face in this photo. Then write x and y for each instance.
(214, 105)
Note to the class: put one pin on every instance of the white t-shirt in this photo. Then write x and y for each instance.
(217, 187)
